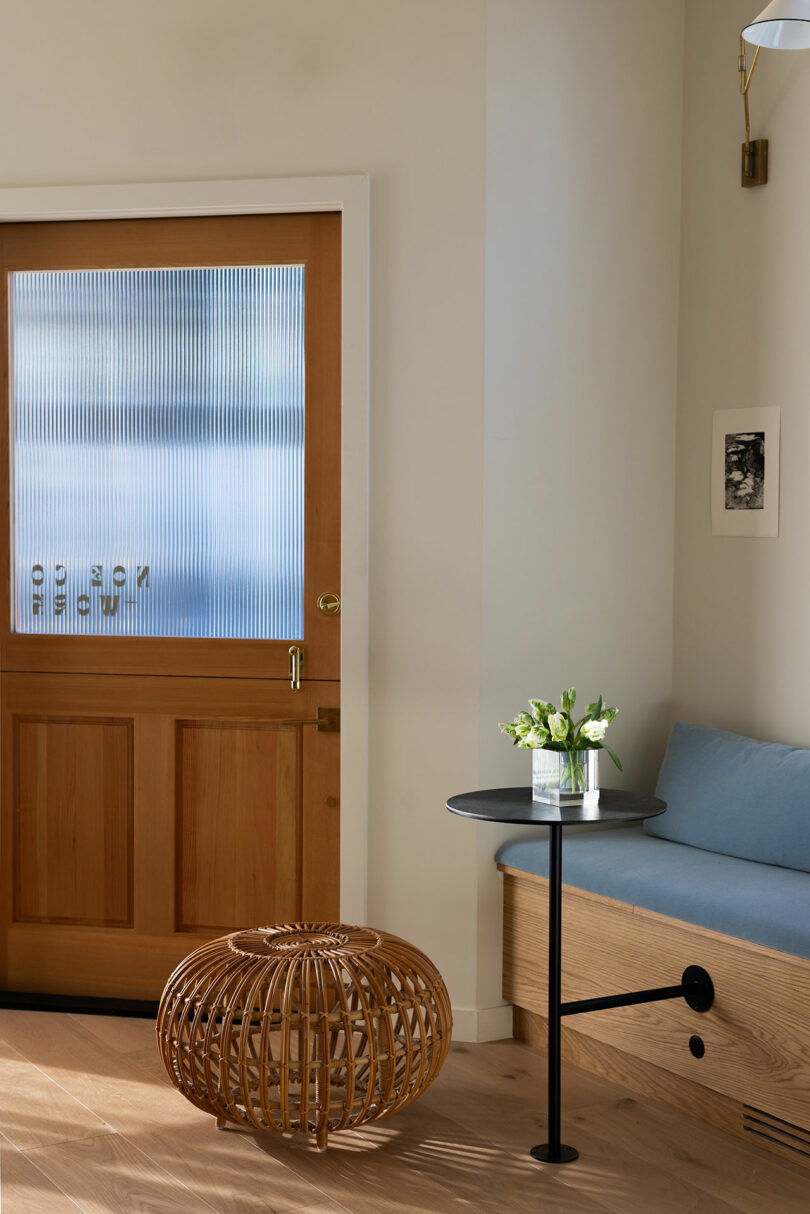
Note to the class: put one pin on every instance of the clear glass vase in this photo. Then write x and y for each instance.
(563, 777)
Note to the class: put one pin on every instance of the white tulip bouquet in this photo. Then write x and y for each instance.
(547, 728)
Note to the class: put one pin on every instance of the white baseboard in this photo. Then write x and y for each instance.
(482, 1023)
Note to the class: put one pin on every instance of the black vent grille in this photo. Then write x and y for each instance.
(784, 1133)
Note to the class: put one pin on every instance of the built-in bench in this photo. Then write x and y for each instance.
(721, 880)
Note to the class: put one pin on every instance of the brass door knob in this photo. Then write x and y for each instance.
(329, 603)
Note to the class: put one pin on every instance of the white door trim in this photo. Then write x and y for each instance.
(350, 196)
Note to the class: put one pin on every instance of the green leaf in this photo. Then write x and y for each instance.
(613, 756)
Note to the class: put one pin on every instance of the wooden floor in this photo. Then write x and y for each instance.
(90, 1122)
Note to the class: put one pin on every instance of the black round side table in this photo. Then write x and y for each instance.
(516, 805)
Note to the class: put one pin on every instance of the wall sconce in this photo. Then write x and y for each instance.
(783, 26)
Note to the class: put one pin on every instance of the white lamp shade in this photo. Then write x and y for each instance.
(783, 26)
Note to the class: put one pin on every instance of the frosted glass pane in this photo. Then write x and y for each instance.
(158, 452)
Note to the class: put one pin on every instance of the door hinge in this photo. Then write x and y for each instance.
(327, 720)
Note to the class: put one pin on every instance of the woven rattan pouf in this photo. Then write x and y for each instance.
(306, 1026)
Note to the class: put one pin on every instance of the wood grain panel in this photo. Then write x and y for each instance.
(154, 823)
(110, 1173)
(320, 826)
(463, 1146)
(495, 1091)
(756, 1032)
(634, 1073)
(94, 961)
(130, 1090)
(237, 845)
(199, 698)
(136, 963)
(26, 1190)
(57, 1117)
(73, 820)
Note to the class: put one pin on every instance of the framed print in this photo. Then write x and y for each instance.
(745, 472)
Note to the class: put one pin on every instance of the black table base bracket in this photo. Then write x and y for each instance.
(26, 1001)
(696, 987)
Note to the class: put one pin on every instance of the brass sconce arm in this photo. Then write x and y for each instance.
(755, 155)
(745, 83)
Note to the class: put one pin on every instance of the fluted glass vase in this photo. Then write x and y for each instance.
(565, 777)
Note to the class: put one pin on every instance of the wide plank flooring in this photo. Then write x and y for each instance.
(89, 1121)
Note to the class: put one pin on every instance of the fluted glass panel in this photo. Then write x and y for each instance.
(158, 452)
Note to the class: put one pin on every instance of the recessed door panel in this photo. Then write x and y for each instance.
(73, 821)
(238, 824)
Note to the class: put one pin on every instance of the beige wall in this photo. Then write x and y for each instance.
(583, 218)
(193, 89)
(518, 551)
(742, 605)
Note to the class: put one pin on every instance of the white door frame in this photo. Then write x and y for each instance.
(350, 196)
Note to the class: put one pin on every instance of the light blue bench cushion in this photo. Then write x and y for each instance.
(730, 794)
(759, 902)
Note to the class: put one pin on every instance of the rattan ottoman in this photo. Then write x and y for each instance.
(305, 1026)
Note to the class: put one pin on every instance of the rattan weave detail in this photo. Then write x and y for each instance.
(304, 1026)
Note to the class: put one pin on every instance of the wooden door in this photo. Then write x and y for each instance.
(159, 788)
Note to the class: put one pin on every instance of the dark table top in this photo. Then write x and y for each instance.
(516, 805)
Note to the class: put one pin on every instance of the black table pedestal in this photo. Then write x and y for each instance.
(516, 806)
(554, 1151)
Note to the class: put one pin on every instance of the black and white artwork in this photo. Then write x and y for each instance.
(745, 472)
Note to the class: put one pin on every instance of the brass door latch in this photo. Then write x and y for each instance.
(296, 665)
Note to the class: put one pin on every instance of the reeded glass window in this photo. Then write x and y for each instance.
(158, 451)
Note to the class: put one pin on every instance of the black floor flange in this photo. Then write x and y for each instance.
(544, 1154)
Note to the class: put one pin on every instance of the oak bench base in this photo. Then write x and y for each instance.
(754, 1075)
